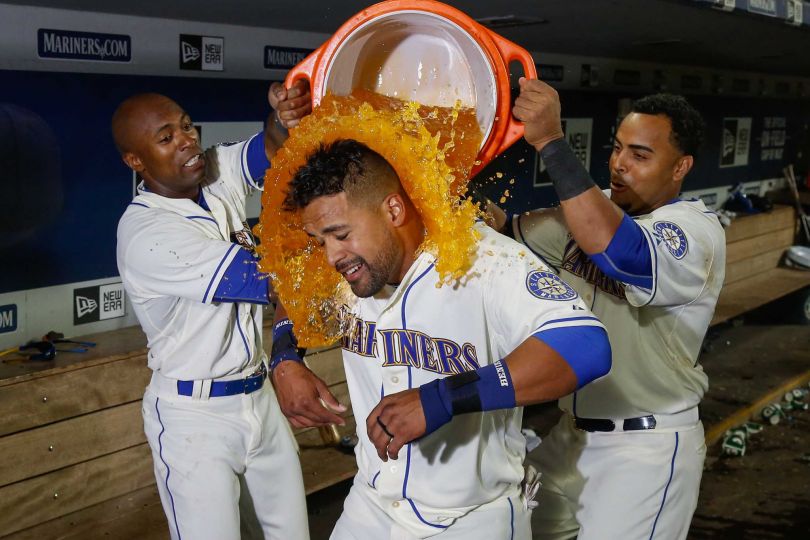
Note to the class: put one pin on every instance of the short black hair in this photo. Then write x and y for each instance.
(343, 165)
(688, 127)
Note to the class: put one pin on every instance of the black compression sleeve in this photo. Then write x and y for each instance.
(567, 173)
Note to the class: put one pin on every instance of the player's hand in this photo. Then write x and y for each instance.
(396, 420)
(290, 105)
(304, 398)
(538, 107)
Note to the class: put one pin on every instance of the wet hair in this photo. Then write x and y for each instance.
(342, 166)
(688, 126)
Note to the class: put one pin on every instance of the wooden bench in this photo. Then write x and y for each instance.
(74, 459)
(755, 246)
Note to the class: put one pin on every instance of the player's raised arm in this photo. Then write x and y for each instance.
(591, 217)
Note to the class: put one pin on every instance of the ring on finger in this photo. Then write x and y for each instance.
(384, 428)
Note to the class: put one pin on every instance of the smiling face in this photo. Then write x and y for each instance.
(359, 241)
(646, 168)
(158, 140)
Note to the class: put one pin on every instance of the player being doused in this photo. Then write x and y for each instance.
(437, 376)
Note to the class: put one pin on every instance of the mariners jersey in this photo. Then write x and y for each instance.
(655, 334)
(172, 255)
(409, 335)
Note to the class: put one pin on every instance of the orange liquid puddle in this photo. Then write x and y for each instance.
(432, 149)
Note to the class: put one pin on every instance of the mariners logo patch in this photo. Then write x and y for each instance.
(548, 286)
(673, 236)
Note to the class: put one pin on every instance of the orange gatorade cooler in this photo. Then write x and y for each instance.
(428, 52)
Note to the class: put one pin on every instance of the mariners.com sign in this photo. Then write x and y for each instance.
(70, 45)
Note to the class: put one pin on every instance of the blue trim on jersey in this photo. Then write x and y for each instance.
(241, 333)
(202, 202)
(415, 511)
(168, 472)
(627, 257)
(410, 385)
(208, 289)
(242, 281)
(511, 519)
(523, 241)
(212, 220)
(374, 480)
(655, 268)
(255, 157)
(671, 474)
(588, 363)
(539, 328)
(138, 204)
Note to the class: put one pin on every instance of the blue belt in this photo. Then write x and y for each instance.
(227, 388)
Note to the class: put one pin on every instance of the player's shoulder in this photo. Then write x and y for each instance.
(496, 250)
(683, 224)
(146, 213)
(690, 215)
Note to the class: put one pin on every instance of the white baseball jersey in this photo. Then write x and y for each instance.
(172, 255)
(409, 335)
(656, 333)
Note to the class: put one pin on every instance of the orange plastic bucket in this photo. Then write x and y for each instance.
(425, 51)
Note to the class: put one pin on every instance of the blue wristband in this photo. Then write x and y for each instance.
(486, 389)
(285, 346)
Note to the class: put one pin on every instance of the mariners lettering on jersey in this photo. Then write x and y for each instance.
(672, 236)
(361, 338)
(578, 263)
(403, 348)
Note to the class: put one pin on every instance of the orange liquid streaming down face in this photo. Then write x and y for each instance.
(432, 149)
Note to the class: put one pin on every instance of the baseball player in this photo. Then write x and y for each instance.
(224, 457)
(437, 375)
(626, 458)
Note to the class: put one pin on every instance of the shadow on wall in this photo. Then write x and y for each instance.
(31, 190)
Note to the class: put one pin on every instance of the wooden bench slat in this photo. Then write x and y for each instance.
(756, 245)
(41, 450)
(44, 400)
(67, 490)
(781, 217)
(325, 466)
(752, 266)
(110, 346)
(758, 290)
(134, 515)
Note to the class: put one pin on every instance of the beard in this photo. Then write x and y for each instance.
(379, 270)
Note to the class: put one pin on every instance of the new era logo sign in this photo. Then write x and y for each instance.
(85, 306)
(202, 53)
(188, 53)
(99, 303)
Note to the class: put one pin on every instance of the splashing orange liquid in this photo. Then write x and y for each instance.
(432, 149)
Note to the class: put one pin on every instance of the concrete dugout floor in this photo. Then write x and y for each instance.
(762, 495)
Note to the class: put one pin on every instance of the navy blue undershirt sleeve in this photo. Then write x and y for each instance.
(627, 257)
(243, 282)
(585, 348)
